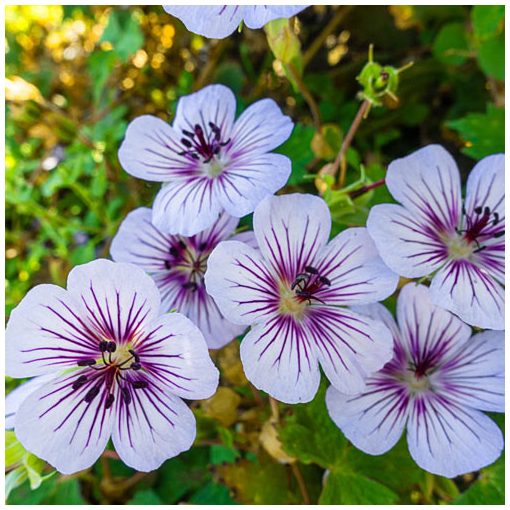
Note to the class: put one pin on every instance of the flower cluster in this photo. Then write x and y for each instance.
(115, 353)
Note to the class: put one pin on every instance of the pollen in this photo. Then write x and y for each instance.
(459, 248)
(289, 304)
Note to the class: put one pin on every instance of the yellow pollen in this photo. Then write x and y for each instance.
(289, 304)
(459, 248)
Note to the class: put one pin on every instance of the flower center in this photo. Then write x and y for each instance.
(204, 145)
(116, 358)
(459, 248)
(294, 300)
(190, 261)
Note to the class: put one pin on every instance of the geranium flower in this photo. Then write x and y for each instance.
(292, 293)
(177, 264)
(219, 21)
(209, 164)
(120, 369)
(436, 385)
(432, 232)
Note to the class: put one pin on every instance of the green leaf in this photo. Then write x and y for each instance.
(221, 454)
(300, 438)
(483, 133)
(487, 20)
(124, 33)
(450, 46)
(488, 489)
(298, 149)
(345, 488)
(212, 494)
(145, 497)
(491, 57)
(14, 451)
(14, 479)
(101, 64)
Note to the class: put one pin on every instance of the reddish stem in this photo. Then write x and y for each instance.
(357, 193)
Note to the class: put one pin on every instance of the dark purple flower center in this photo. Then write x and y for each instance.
(308, 283)
(484, 224)
(117, 364)
(203, 144)
(190, 261)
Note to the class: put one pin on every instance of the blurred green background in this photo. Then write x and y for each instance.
(77, 75)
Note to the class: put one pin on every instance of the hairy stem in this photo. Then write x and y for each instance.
(305, 92)
(357, 193)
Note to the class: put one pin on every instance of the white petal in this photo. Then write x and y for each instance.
(427, 331)
(471, 293)
(374, 420)
(175, 354)
(378, 312)
(486, 185)
(15, 398)
(244, 289)
(350, 347)
(139, 242)
(56, 424)
(352, 265)
(474, 375)
(154, 427)
(409, 244)
(220, 231)
(214, 103)
(279, 359)
(120, 299)
(290, 231)
(256, 16)
(260, 128)
(46, 332)
(214, 21)
(449, 440)
(186, 207)
(247, 237)
(427, 183)
(249, 180)
(150, 151)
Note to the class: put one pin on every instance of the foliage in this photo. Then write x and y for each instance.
(79, 74)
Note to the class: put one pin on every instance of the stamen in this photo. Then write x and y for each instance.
(173, 251)
(311, 270)
(499, 234)
(324, 280)
(126, 395)
(102, 345)
(478, 210)
(167, 265)
(136, 365)
(190, 285)
(92, 393)
(202, 246)
(133, 353)
(139, 385)
(79, 382)
(111, 347)
(86, 362)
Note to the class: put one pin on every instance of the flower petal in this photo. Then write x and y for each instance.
(214, 103)
(427, 182)
(139, 242)
(55, 423)
(378, 312)
(350, 347)
(175, 354)
(120, 299)
(16, 397)
(279, 359)
(290, 231)
(492, 258)
(259, 129)
(449, 440)
(256, 16)
(220, 231)
(186, 207)
(150, 151)
(471, 293)
(352, 265)
(486, 186)
(427, 331)
(408, 244)
(249, 180)
(374, 420)
(152, 428)
(474, 376)
(240, 283)
(48, 331)
(247, 237)
(214, 21)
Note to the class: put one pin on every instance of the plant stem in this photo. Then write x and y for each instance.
(275, 411)
(211, 64)
(357, 193)
(305, 92)
(340, 159)
(316, 45)
(301, 482)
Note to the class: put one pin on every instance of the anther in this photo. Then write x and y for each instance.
(79, 382)
(182, 244)
(126, 395)
(91, 394)
(189, 134)
(109, 401)
(140, 385)
(111, 346)
(478, 210)
(103, 345)
(133, 353)
(136, 365)
(324, 280)
(198, 130)
(173, 251)
(186, 142)
(311, 270)
(202, 246)
(486, 211)
(190, 285)
(167, 265)
(496, 219)
(86, 362)
(499, 234)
